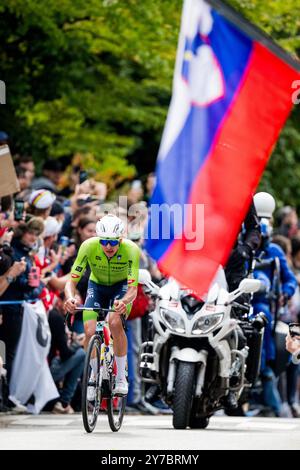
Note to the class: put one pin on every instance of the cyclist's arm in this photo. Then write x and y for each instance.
(71, 302)
(130, 295)
(133, 265)
(133, 275)
(79, 265)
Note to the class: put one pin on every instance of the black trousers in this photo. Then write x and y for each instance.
(10, 332)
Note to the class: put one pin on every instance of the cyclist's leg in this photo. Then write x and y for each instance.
(90, 317)
(116, 321)
(116, 325)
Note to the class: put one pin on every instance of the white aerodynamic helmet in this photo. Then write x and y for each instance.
(264, 204)
(110, 226)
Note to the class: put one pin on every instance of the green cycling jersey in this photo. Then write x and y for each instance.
(107, 271)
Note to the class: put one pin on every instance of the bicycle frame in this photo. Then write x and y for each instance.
(102, 330)
(106, 362)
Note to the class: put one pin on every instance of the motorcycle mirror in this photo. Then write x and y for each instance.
(294, 329)
(145, 279)
(248, 286)
(174, 290)
(144, 276)
(213, 294)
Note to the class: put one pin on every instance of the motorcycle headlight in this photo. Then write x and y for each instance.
(207, 323)
(173, 321)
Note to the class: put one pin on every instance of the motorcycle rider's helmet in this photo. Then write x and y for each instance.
(110, 227)
(264, 204)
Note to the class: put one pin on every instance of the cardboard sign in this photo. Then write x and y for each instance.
(9, 183)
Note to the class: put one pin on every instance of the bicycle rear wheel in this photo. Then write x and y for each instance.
(115, 408)
(91, 384)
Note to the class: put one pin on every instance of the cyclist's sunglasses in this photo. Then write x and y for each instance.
(109, 242)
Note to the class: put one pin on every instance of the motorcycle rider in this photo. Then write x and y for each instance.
(265, 206)
(236, 269)
(247, 242)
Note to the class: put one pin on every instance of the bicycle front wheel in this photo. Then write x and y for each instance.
(91, 384)
(115, 409)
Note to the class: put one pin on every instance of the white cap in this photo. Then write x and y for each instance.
(52, 227)
(42, 199)
(264, 204)
(110, 226)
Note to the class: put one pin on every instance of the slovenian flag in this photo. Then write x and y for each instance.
(232, 93)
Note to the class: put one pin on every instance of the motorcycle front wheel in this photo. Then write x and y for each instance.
(198, 423)
(183, 394)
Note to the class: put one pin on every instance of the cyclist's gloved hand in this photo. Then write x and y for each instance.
(244, 251)
(71, 304)
(120, 307)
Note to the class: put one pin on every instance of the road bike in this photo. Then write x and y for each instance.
(101, 378)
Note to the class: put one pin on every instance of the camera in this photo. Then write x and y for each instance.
(83, 176)
(49, 274)
(82, 202)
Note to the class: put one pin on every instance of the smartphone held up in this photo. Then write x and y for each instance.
(19, 210)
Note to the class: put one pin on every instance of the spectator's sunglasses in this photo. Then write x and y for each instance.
(109, 242)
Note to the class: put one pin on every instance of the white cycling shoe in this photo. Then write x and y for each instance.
(91, 393)
(91, 390)
(121, 387)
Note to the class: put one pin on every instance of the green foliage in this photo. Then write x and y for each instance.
(94, 77)
(87, 77)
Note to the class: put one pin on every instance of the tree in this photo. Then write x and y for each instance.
(87, 77)
(95, 78)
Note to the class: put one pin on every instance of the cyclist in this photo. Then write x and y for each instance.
(114, 264)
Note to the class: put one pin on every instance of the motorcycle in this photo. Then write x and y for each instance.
(199, 352)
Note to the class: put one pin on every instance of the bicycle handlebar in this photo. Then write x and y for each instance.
(17, 302)
(96, 309)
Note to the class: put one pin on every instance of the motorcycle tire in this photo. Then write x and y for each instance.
(183, 394)
(198, 423)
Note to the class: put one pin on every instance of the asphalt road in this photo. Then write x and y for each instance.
(49, 431)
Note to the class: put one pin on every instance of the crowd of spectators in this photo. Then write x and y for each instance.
(41, 228)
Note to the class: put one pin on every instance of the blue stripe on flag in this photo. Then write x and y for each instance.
(177, 171)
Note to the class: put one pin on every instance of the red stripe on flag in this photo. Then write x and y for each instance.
(231, 173)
